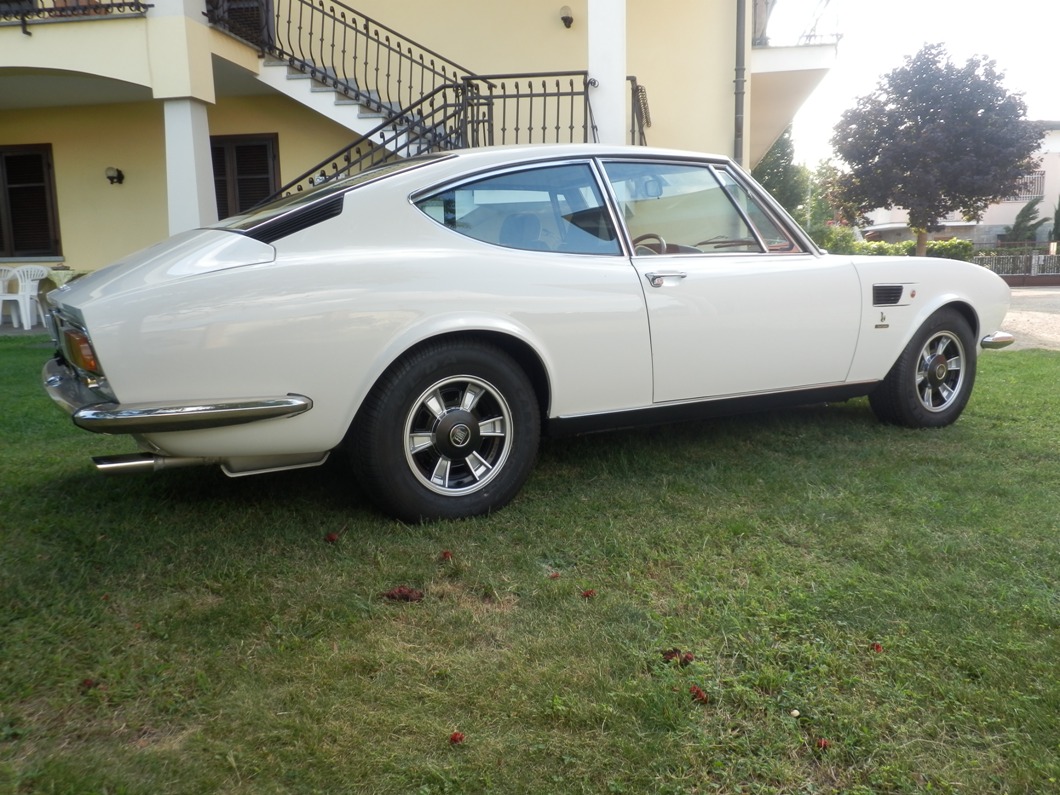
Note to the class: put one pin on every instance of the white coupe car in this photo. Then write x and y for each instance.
(435, 316)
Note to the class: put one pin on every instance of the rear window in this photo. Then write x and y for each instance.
(266, 213)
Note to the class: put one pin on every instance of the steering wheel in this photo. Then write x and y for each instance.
(637, 241)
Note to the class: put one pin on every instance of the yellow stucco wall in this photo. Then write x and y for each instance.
(99, 222)
(682, 51)
(305, 139)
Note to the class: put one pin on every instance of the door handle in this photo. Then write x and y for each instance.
(657, 279)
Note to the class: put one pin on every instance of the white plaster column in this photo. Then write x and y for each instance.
(607, 65)
(189, 166)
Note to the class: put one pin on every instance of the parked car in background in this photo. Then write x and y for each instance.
(435, 316)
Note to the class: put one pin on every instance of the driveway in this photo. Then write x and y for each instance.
(1034, 318)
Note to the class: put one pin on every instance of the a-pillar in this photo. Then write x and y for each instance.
(607, 66)
(189, 166)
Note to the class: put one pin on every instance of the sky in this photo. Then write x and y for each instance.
(1021, 36)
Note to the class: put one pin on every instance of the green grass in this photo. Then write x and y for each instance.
(186, 633)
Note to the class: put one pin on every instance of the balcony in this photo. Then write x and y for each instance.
(27, 13)
(790, 56)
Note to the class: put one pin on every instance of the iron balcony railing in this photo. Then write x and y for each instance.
(32, 12)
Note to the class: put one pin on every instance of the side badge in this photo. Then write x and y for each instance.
(883, 321)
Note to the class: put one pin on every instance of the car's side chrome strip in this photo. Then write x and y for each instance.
(186, 416)
(999, 339)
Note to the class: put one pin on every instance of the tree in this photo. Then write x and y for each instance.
(1055, 233)
(935, 138)
(779, 174)
(1025, 226)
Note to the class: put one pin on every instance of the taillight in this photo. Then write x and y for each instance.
(80, 352)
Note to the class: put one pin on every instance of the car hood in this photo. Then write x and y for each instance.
(186, 255)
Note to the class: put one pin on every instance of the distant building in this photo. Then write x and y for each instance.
(892, 226)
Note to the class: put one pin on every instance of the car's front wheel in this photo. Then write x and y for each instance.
(450, 431)
(929, 385)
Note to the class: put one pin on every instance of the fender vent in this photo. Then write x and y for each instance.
(886, 294)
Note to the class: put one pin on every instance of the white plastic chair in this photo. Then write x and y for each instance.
(7, 275)
(29, 279)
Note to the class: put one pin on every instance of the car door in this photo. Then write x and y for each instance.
(736, 305)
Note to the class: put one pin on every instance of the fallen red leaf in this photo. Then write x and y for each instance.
(698, 694)
(456, 738)
(331, 538)
(589, 593)
(823, 744)
(446, 555)
(554, 575)
(403, 593)
(877, 647)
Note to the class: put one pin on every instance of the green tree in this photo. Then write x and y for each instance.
(935, 138)
(1055, 233)
(1025, 226)
(778, 173)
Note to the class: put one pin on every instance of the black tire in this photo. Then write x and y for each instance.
(451, 430)
(929, 385)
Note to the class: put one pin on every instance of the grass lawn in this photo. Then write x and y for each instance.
(795, 602)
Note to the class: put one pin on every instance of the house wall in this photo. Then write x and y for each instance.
(100, 222)
(123, 218)
(674, 50)
(304, 138)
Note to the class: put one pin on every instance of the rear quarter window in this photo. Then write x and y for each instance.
(553, 208)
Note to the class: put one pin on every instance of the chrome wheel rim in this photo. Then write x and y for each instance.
(940, 371)
(458, 434)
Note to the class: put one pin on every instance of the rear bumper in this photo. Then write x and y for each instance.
(999, 339)
(92, 413)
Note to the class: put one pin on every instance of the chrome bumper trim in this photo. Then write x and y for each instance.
(92, 414)
(999, 339)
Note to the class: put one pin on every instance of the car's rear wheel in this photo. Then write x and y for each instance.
(929, 385)
(450, 431)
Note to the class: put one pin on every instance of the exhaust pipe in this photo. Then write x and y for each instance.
(146, 462)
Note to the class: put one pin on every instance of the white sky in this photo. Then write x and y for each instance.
(1022, 36)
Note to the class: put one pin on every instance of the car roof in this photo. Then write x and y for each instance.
(488, 155)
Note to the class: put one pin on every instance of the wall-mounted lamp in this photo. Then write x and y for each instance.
(566, 16)
(115, 175)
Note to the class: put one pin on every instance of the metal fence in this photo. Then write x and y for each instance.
(1021, 264)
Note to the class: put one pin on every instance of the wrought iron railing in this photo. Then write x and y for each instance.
(640, 117)
(30, 12)
(339, 47)
(479, 111)
(484, 110)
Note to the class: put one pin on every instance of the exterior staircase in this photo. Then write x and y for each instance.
(399, 97)
(317, 90)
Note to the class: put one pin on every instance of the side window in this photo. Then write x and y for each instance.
(554, 208)
(675, 208)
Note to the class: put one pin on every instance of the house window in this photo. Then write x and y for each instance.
(1031, 186)
(28, 219)
(16, 7)
(245, 171)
